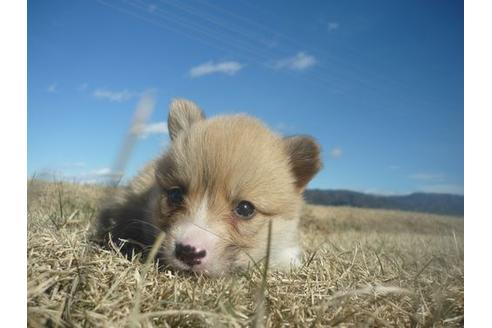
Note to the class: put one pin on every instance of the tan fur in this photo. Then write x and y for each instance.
(220, 162)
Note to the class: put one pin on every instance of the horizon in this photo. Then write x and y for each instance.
(52, 177)
(388, 195)
(379, 85)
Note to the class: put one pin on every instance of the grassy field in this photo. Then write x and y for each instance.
(362, 268)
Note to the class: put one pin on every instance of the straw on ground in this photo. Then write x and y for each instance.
(371, 267)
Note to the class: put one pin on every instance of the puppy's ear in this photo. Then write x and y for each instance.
(182, 115)
(304, 157)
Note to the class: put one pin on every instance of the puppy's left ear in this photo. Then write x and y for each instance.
(304, 156)
(183, 114)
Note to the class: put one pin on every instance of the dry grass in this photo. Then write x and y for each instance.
(362, 268)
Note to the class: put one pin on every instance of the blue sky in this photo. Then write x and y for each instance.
(378, 83)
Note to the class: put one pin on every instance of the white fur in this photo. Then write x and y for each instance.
(197, 233)
(289, 257)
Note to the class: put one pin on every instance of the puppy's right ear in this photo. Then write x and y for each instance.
(182, 115)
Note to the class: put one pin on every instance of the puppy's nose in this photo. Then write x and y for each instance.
(189, 254)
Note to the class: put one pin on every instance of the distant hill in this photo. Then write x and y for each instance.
(418, 202)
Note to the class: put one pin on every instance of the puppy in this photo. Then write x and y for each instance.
(213, 194)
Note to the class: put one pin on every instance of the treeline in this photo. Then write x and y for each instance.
(419, 202)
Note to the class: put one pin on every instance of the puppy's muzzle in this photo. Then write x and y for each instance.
(188, 254)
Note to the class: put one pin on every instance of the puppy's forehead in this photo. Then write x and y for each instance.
(230, 137)
(231, 145)
(237, 155)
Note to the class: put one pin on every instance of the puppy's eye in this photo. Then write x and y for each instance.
(245, 210)
(175, 195)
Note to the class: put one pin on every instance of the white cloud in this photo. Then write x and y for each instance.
(113, 96)
(144, 130)
(227, 67)
(101, 172)
(104, 172)
(336, 152)
(52, 88)
(443, 188)
(299, 62)
(333, 26)
(427, 176)
(155, 128)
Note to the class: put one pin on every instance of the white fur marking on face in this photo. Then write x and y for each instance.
(197, 220)
(201, 213)
(197, 233)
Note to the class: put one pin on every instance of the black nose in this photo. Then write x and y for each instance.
(189, 254)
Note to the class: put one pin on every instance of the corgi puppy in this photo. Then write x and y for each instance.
(213, 194)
